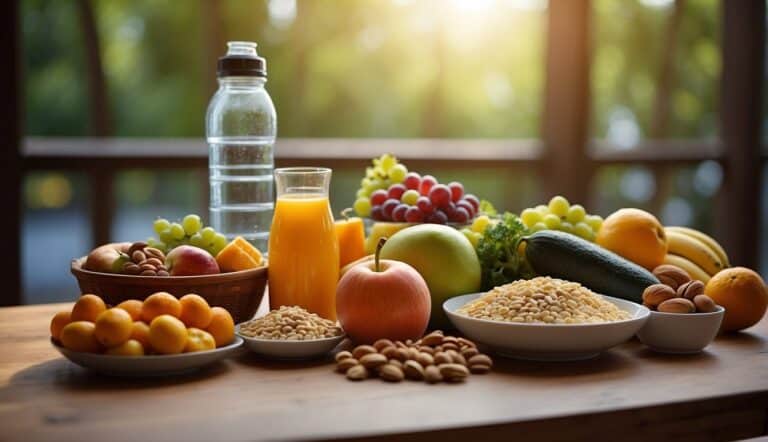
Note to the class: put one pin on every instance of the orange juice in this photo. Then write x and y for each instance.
(303, 254)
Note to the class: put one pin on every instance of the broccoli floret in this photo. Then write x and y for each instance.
(498, 252)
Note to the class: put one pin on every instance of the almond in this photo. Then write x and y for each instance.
(672, 276)
(432, 374)
(442, 358)
(480, 359)
(413, 370)
(357, 373)
(656, 294)
(345, 364)
(382, 343)
(343, 355)
(704, 304)
(424, 359)
(373, 360)
(433, 339)
(479, 368)
(677, 305)
(468, 352)
(391, 373)
(362, 350)
(453, 372)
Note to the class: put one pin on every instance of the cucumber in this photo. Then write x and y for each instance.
(565, 256)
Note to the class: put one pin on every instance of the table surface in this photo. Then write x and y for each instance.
(43, 396)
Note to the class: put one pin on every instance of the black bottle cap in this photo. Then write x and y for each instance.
(241, 61)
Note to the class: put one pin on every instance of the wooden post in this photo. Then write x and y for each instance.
(10, 139)
(566, 165)
(741, 97)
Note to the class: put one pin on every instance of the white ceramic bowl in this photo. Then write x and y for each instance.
(681, 333)
(150, 365)
(285, 349)
(548, 342)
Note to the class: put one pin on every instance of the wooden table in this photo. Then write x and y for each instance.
(628, 393)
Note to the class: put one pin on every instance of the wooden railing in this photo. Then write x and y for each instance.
(565, 155)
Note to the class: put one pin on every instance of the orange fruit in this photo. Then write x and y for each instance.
(80, 336)
(636, 235)
(160, 303)
(195, 311)
(199, 340)
(140, 332)
(133, 307)
(167, 335)
(239, 255)
(58, 322)
(130, 347)
(113, 327)
(88, 308)
(222, 326)
(743, 294)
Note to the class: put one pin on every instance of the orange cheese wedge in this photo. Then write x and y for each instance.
(239, 255)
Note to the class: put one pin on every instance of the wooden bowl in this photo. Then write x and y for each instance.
(238, 292)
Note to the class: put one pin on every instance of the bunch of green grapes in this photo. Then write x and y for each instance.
(559, 214)
(385, 171)
(476, 230)
(190, 231)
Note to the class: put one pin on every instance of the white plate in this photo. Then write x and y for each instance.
(150, 365)
(548, 342)
(284, 349)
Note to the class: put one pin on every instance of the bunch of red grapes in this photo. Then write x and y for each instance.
(423, 200)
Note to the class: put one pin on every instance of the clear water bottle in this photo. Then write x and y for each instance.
(241, 125)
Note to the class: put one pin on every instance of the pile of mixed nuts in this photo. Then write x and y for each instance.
(433, 358)
(677, 293)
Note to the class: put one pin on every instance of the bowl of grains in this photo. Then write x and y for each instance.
(546, 319)
(290, 333)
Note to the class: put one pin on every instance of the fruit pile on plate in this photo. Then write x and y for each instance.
(161, 324)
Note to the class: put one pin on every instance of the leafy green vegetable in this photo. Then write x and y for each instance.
(498, 252)
(487, 208)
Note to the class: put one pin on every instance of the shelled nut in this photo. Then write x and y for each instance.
(433, 358)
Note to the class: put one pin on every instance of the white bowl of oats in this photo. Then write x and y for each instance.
(546, 319)
(290, 333)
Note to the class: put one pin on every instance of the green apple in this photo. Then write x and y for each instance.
(382, 230)
(445, 259)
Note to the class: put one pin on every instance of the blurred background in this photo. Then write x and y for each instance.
(656, 104)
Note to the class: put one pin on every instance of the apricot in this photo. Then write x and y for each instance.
(58, 322)
(133, 307)
(160, 303)
(140, 332)
(167, 335)
(195, 311)
(222, 326)
(88, 308)
(199, 340)
(130, 347)
(80, 336)
(113, 327)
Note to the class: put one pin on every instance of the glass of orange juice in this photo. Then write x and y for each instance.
(303, 251)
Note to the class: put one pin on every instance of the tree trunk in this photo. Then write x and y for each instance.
(100, 115)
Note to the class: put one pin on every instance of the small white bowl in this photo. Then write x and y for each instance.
(285, 349)
(681, 333)
(548, 342)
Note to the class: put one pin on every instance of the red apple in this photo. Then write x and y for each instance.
(383, 299)
(108, 258)
(190, 261)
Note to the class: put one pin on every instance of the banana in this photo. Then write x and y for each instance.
(693, 270)
(706, 239)
(694, 250)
